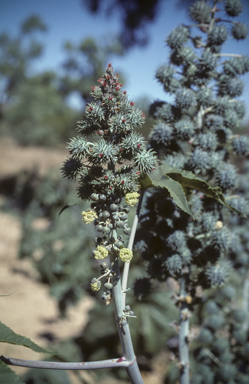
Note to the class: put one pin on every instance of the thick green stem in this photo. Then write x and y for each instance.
(245, 296)
(130, 246)
(111, 363)
(124, 330)
(184, 333)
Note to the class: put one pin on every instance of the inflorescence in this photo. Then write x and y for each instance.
(108, 168)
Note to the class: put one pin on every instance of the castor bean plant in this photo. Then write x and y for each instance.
(180, 181)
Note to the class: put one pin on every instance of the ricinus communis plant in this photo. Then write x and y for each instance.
(108, 169)
(196, 133)
(114, 169)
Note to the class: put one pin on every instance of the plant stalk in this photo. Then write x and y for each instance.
(124, 330)
(111, 363)
(245, 296)
(183, 333)
(130, 246)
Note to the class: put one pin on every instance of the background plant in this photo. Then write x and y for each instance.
(196, 132)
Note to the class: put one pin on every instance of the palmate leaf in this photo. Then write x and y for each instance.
(176, 192)
(164, 175)
(7, 376)
(9, 336)
(173, 187)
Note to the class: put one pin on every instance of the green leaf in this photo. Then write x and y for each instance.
(184, 179)
(7, 376)
(8, 336)
(76, 201)
(157, 179)
(189, 180)
(176, 192)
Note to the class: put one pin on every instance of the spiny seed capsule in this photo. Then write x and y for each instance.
(113, 207)
(123, 216)
(106, 230)
(119, 244)
(106, 214)
(94, 197)
(127, 231)
(104, 265)
(102, 197)
(120, 224)
(108, 286)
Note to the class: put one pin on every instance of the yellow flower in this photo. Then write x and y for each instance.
(131, 198)
(125, 255)
(89, 216)
(95, 285)
(100, 253)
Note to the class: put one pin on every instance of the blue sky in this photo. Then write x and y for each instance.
(69, 20)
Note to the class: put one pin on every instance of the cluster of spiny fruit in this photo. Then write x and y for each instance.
(110, 215)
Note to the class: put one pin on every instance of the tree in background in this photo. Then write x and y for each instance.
(84, 63)
(48, 119)
(134, 17)
(16, 56)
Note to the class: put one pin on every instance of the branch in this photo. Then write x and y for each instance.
(227, 54)
(184, 333)
(123, 329)
(112, 363)
(130, 246)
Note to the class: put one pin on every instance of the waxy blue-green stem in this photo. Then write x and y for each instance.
(124, 330)
(130, 246)
(184, 333)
